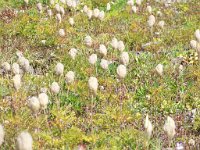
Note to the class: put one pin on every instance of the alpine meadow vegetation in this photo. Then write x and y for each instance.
(99, 74)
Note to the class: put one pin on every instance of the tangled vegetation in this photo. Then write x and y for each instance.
(123, 97)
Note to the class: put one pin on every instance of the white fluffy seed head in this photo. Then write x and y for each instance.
(73, 53)
(24, 141)
(124, 58)
(85, 9)
(2, 134)
(52, 2)
(34, 104)
(39, 7)
(21, 60)
(93, 59)
(151, 21)
(96, 12)
(148, 126)
(170, 127)
(138, 2)
(121, 46)
(44, 100)
(49, 12)
(59, 69)
(26, 65)
(130, 2)
(161, 24)
(104, 64)
(62, 11)
(57, 8)
(55, 88)
(88, 40)
(26, 1)
(121, 71)
(89, 13)
(69, 77)
(101, 15)
(15, 68)
(108, 7)
(59, 18)
(149, 9)
(93, 84)
(197, 35)
(193, 44)
(71, 21)
(17, 81)
(159, 69)
(6, 66)
(61, 32)
(103, 50)
(114, 43)
(134, 9)
(69, 3)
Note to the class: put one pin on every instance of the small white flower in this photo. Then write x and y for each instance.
(102, 50)
(169, 127)
(24, 141)
(193, 44)
(93, 59)
(88, 40)
(58, 18)
(101, 15)
(59, 69)
(121, 71)
(43, 42)
(108, 7)
(159, 69)
(89, 14)
(69, 77)
(121, 46)
(6, 66)
(34, 104)
(104, 64)
(39, 6)
(161, 24)
(17, 81)
(149, 9)
(148, 126)
(197, 35)
(134, 9)
(73, 53)
(96, 12)
(124, 58)
(61, 32)
(44, 100)
(151, 21)
(71, 21)
(55, 88)
(93, 84)
(114, 43)
(2, 134)
(15, 68)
